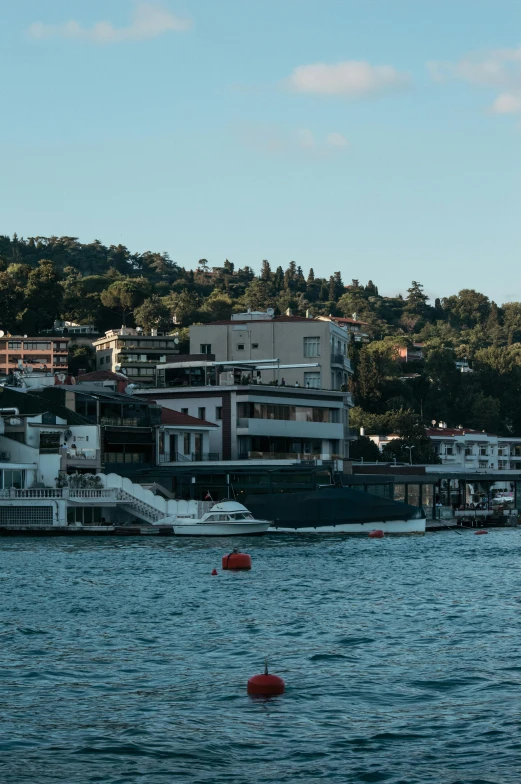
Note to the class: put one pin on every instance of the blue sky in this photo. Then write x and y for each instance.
(376, 137)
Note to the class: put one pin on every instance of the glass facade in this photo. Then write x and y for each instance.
(287, 413)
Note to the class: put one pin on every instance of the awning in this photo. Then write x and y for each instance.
(128, 437)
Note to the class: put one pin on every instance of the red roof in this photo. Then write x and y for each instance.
(453, 431)
(171, 417)
(102, 375)
(347, 320)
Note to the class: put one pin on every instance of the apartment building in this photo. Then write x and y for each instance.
(40, 353)
(264, 422)
(134, 353)
(475, 449)
(311, 353)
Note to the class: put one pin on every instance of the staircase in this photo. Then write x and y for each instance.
(140, 508)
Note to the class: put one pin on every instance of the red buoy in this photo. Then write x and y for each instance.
(214, 572)
(236, 560)
(480, 533)
(377, 534)
(265, 685)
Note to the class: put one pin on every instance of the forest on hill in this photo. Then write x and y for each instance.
(44, 278)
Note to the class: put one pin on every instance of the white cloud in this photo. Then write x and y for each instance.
(149, 21)
(350, 78)
(507, 103)
(336, 140)
(498, 69)
(300, 142)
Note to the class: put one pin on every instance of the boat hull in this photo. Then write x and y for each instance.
(389, 527)
(221, 529)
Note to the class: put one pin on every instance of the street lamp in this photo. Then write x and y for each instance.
(410, 448)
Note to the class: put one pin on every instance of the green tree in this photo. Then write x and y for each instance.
(43, 297)
(153, 314)
(125, 295)
(364, 449)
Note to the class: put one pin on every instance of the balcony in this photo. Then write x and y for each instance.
(194, 457)
(124, 422)
(340, 359)
(83, 458)
(293, 456)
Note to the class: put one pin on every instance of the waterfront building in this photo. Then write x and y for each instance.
(467, 448)
(38, 353)
(314, 351)
(134, 353)
(48, 436)
(256, 421)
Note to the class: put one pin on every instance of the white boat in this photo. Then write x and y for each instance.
(225, 518)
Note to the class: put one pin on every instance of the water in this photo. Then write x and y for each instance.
(126, 661)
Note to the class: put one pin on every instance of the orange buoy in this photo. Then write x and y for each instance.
(480, 533)
(377, 534)
(265, 685)
(236, 561)
(214, 572)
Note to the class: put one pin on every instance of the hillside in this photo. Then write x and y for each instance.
(59, 277)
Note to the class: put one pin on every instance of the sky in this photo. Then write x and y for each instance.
(380, 138)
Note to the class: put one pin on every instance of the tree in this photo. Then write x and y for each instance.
(416, 299)
(153, 314)
(257, 296)
(408, 451)
(43, 297)
(81, 358)
(217, 307)
(265, 270)
(125, 295)
(364, 449)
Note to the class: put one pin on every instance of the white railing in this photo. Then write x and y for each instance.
(33, 492)
(106, 492)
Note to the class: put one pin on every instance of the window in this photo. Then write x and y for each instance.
(219, 412)
(240, 346)
(312, 380)
(468, 451)
(255, 345)
(449, 449)
(102, 360)
(15, 344)
(206, 348)
(483, 451)
(32, 345)
(184, 411)
(312, 347)
(201, 412)
(186, 443)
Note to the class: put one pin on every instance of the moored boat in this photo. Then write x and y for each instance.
(225, 518)
(336, 510)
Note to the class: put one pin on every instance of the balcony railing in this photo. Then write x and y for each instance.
(81, 454)
(294, 456)
(123, 421)
(194, 457)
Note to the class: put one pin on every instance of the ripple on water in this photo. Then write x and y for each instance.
(124, 660)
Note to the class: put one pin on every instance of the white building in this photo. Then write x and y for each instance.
(468, 449)
(133, 353)
(264, 422)
(316, 349)
(475, 449)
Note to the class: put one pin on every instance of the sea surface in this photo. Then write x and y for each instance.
(126, 661)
